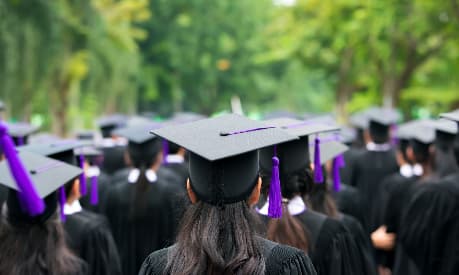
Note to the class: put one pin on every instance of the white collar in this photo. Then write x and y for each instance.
(92, 171)
(135, 173)
(417, 170)
(384, 147)
(175, 159)
(406, 170)
(110, 142)
(295, 206)
(70, 209)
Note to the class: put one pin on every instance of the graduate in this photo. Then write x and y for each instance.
(88, 234)
(454, 116)
(112, 146)
(30, 228)
(445, 137)
(217, 234)
(327, 241)
(377, 161)
(142, 208)
(320, 199)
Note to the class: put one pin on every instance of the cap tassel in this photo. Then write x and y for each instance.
(318, 175)
(62, 201)
(32, 202)
(165, 151)
(94, 191)
(20, 141)
(83, 186)
(338, 163)
(275, 195)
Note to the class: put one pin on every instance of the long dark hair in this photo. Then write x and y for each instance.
(36, 249)
(217, 240)
(289, 230)
(320, 199)
(142, 157)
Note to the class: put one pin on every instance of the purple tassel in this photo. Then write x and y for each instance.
(318, 175)
(165, 151)
(338, 163)
(62, 201)
(20, 141)
(94, 191)
(32, 202)
(394, 140)
(83, 186)
(275, 195)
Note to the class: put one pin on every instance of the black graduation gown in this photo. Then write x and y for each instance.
(180, 170)
(103, 186)
(333, 249)
(370, 168)
(3, 195)
(89, 237)
(113, 159)
(280, 259)
(349, 202)
(362, 241)
(349, 159)
(153, 228)
(429, 230)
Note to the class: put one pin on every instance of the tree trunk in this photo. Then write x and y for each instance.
(59, 107)
(344, 87)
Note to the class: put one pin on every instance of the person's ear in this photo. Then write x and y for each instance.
(191, 194)
(75, 191)
(410, 154)
(255, 196)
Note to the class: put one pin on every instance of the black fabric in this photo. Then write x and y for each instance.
(350, 157)
(89, 237)
(362, 241)
(280, 259)
(113, 159)
(348, 201)
(138, 233)
(180, 170)
(370, 169)
(335, 250)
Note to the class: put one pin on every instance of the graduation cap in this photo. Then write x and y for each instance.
(294, 155)
(223, 156)
(62, 150)
(88, 135)
(142, 146)
(47, 175)
(454, 115)
(111, 122)
(21, 131)
(331, 149)
(94, 157)
(445, 133)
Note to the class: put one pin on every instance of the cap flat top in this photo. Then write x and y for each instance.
(112, 120)
(47, 174)
(55, 147)
(422, 131)
(139, 133)
(328, 150)
(21, 129)
(454, 115)
(300, 128)
(384, 116)
(88, 151)
(445, 125)
(216, 138)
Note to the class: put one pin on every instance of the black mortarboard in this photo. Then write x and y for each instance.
(454, 115)
(223, 158)
(293, 155)
(21, 131)
(89, 135)
(348, 135)
(62, 150)
(111, 122)
(143, 147)
(47, 176)
(383, 116)
(328, 150)
(445, 133)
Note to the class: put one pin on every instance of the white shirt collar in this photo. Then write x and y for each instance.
(406, 170)
(110, 142)
(92, 171)
(417, 170)
(384, 147)
(174, 159)
(135, 173)
(70, 209)
(295, 206)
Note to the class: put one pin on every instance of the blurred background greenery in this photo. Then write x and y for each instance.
(65, 62)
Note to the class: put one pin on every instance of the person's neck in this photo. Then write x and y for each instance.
(427, 170)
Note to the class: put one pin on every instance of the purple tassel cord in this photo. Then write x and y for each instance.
(318, 175)
(83, 186)
(338, 163)
(165, 151)
(94, 191)
(33, 204)
(62, 201)
(275, 194)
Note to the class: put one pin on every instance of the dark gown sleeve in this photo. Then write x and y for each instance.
(155, 263)
(98, 249)
(288, 260)
(336, 252)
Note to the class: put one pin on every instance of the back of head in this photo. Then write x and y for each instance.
(379, 133)
(445, 160)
